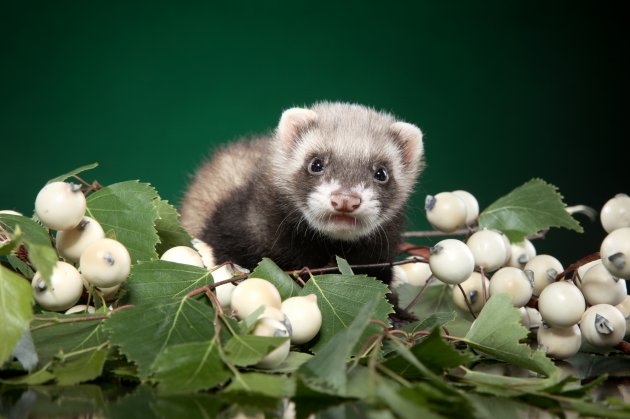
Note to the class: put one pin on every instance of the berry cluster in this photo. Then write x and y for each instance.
(589, 303)
(103, 263)
(298, 318)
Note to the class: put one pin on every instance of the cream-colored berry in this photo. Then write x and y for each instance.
(581, 271)
(63, 290)
(415, 274)
(489, 249)
(616, 213)
(224, 291)
(445, 211)
(474, 292)
(600, 287)
(253, 293)
(603, 325)
(184, 255)
(105, 263)
(472, 206)
(266, 326)
(559, 342)
(71, 243)
(521, 253)
(544, 270)
(451, 261)
(514, 282)
(561, 304)
(615, 252)
(530, 317)
(304, 316)
(60, 205)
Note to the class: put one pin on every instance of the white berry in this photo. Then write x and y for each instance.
(624, 306)
(71, 243)
(581, 271)
(253, 293)
(184, 255)
(474, 293)
(521, 253)
(224, 291)
(615, 252)
(544, 269)
(530, 317)
(60, 205)
(600, 287)
(616, 213)
(415, 274)
(603, 325)
(514, 282)
(472, 206)
(304, 316)
(105, 263)
(489, 249)
(451, 261)
(561, 304)
(559, 342)
(445, 211)
(266, 326)
(64, 289)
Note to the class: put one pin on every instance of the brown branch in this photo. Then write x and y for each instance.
(417, 297)
(466, 297)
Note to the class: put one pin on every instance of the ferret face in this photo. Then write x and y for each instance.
(346, 169)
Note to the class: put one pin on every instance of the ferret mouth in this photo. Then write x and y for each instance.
(343, 220)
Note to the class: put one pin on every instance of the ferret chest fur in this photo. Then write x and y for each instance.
(333, 180)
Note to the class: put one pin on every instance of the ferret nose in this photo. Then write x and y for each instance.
(345, 202)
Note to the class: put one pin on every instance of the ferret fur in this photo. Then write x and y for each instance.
(257, 198)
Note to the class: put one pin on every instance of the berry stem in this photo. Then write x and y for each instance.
(466, 298)
(417, 297)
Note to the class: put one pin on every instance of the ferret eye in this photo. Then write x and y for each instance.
(381, 175)
(316, 166)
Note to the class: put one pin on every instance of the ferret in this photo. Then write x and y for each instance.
(331, 180)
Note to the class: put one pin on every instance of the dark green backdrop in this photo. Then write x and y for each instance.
(504, 91)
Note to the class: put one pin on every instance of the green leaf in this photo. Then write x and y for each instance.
(264, 384)
(268, 270)
(169, 230)
(35, 238)
(189, 367)
(344, 266)
(404, 407)
(340, 299)
(16, 300)
(326, 371)
(38, 377)
(528, 209)
(497, 332)
(159, 280)
(431, 322)
(85, 368)
(245, 350)
(52, 338)
(143, 331)
(73, 172)
(128, 209)
(434, 353)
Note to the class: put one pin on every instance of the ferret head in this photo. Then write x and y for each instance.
(346, 168)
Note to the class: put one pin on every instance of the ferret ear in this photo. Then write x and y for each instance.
(411, 138)
(292, 122)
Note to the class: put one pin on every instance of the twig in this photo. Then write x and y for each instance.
(466, 298)
(417, 297)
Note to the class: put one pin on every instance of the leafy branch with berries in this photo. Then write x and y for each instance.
(103, 288)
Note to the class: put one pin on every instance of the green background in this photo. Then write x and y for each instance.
(504, 91)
